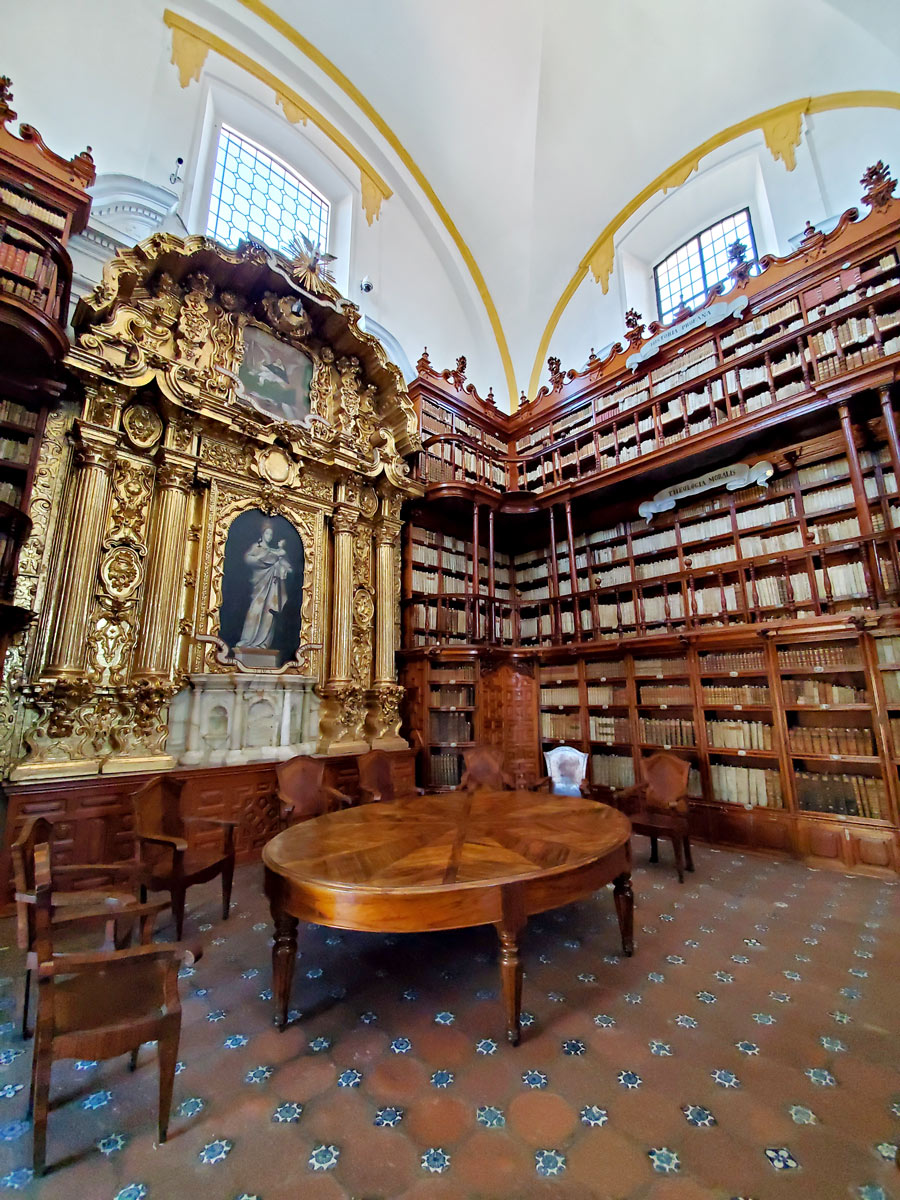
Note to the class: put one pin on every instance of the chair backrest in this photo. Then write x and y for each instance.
(566, 767)
(667, 779)
(300, 782)
(484, 770)
(157, 806)
(36, 831)
(376, 775)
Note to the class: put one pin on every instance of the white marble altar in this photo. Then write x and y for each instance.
(222, 720)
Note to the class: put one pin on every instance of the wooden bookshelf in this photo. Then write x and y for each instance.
(755, 632)
(43, 202)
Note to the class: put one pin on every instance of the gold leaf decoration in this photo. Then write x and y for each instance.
(783, 135)
(292, 110)
(188, 55)
(601, 263)
(372, 197)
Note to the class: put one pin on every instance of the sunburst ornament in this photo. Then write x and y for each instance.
(311, 266)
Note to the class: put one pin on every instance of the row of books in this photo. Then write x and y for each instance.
(746, 693)
(670, 694)
(457, 673)
(20, 261)
(827, 368)
(446, 769)
(685, 367)
(13, 287)
(847, 795)
(773, 543)
(733, 660)
(448, 697)
(443, 558)
(829, 654)
(607, 669)
(612, 770)
(750, 787)
(608, 729)
(559, 695)
(786, 314)
(666, 731)
(18, 414)
(888, 649)
(15, 451)
(835, 531)
(31, 208)
(442, 540)
(451, 727)
(739, 735)
(820, 691)
(562, 727)
(10, 494)
(832, 741)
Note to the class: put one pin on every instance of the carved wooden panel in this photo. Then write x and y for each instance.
(509, 720)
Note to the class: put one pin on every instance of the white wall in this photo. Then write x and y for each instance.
(835, 150)
(115, 88)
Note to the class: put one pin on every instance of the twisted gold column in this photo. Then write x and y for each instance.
(95, 459)
(162, 587)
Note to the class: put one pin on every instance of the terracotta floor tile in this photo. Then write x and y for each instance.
(439, 1120)
(541, 1118)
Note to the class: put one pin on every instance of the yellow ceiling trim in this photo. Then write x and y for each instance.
(337, 76)
(782, 129)
(190, 45)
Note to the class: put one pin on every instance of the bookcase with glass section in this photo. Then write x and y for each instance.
(752, 629)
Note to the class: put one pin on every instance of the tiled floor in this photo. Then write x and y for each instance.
(751, 1048)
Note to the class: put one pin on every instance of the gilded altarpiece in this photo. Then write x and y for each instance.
(142, 477)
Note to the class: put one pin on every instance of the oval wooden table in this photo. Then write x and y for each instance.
(445, 861)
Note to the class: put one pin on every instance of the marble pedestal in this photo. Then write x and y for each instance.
(223, 720)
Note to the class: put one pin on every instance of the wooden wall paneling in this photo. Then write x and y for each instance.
(881, 722)
(510, 719)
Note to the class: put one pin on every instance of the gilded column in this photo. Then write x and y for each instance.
(344, 715)
(386, 693)
(162, 587)
(95, 459)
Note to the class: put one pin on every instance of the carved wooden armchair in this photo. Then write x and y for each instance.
(72, 900)
(484, 771)
(658, 807)
(383, 778)
(102, 1004)
(566, 772)
(171, 865)
(303, 792)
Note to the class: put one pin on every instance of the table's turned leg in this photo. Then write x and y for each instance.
(284, 956)
(509, 928)
(624, 898)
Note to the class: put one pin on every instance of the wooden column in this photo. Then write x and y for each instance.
(493, 623)
(554, 578)
(165, 560)
(890, 424)
(573, 572)
(95, 459)
(870, 558)
(476, 574)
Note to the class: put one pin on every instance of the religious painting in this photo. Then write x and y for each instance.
(274, 376)
(262, 589)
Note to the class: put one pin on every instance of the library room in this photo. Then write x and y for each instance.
(450, 600)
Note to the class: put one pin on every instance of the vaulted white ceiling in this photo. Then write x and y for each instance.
(534, 121)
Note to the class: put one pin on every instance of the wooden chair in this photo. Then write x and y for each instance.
(658, 807)
(302, 789)
(381, 780)
(163, 849)
(566, 772)
(71, 902)
(484, 770)
(102, 1004)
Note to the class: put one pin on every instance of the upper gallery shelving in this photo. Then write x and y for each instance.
(824, 315)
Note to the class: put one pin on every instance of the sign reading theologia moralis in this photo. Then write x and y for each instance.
(731, 478)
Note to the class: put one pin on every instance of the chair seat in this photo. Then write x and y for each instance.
(89, 901)
(195, 862)
(648, 821)
(110, 998)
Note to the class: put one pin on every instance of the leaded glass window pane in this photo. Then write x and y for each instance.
(689, 272)
(256, 196)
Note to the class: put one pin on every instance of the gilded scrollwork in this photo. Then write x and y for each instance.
(132, 511)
